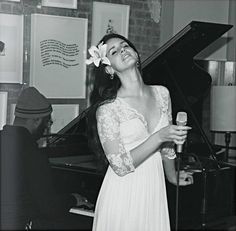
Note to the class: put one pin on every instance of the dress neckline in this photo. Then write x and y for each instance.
(139, 114)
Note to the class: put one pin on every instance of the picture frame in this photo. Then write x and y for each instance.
(3, 106)
(12, 108)
(71, 4)
(58, 54)
(109, 18)
(11, 48)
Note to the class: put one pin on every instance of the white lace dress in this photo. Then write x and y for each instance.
(131, 199)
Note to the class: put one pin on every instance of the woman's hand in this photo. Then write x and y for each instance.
(175, 133)
(185, 178)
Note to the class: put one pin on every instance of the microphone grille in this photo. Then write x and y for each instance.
(181, 118)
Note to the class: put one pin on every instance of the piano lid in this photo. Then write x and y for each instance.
(188, 42)
(176, 58)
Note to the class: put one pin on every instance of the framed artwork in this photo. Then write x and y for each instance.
(109, 18)
(11, 48)
(3, 106)
(63, 114)
(12, 112)
(58, 54)
(72, 4)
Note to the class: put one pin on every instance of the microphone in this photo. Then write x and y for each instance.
(181, 120)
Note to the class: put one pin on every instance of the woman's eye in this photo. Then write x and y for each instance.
(113, 52)
(125, 45)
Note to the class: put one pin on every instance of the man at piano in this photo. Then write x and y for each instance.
(29, 198)
(131, 128)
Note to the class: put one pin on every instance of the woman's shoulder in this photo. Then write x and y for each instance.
(107, 107)
(162, 89)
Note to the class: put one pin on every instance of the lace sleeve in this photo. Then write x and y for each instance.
(109, 133)
(166, 102)
(168, 149)
(169, 109)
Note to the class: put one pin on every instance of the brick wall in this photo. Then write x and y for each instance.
(143, 32)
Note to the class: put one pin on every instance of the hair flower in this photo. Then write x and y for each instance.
(98, 54)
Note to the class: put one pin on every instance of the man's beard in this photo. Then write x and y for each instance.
(39, 131)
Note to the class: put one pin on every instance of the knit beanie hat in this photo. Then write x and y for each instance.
(32, 104)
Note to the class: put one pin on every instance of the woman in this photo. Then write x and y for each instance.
(130, 125)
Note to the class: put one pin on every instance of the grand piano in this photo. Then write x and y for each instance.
(173, 65)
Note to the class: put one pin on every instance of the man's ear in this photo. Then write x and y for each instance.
(109, 70)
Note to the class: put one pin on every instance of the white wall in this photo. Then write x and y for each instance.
(232, 33)
(207, 10)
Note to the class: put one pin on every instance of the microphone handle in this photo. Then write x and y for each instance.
(179, 148)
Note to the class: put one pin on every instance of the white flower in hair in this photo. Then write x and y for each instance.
(98, 54)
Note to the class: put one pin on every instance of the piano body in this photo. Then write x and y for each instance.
(172, 65)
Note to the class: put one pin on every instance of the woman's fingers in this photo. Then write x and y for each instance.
(179, 130)
(185, 182)
(185, 178)
(183, 128)
(179, 133)
(179, 139)
(175, 133)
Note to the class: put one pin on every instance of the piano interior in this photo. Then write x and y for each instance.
(173, 65)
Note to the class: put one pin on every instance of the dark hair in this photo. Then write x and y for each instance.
(104, 90)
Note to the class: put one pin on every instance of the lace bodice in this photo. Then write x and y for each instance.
(121, 128)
